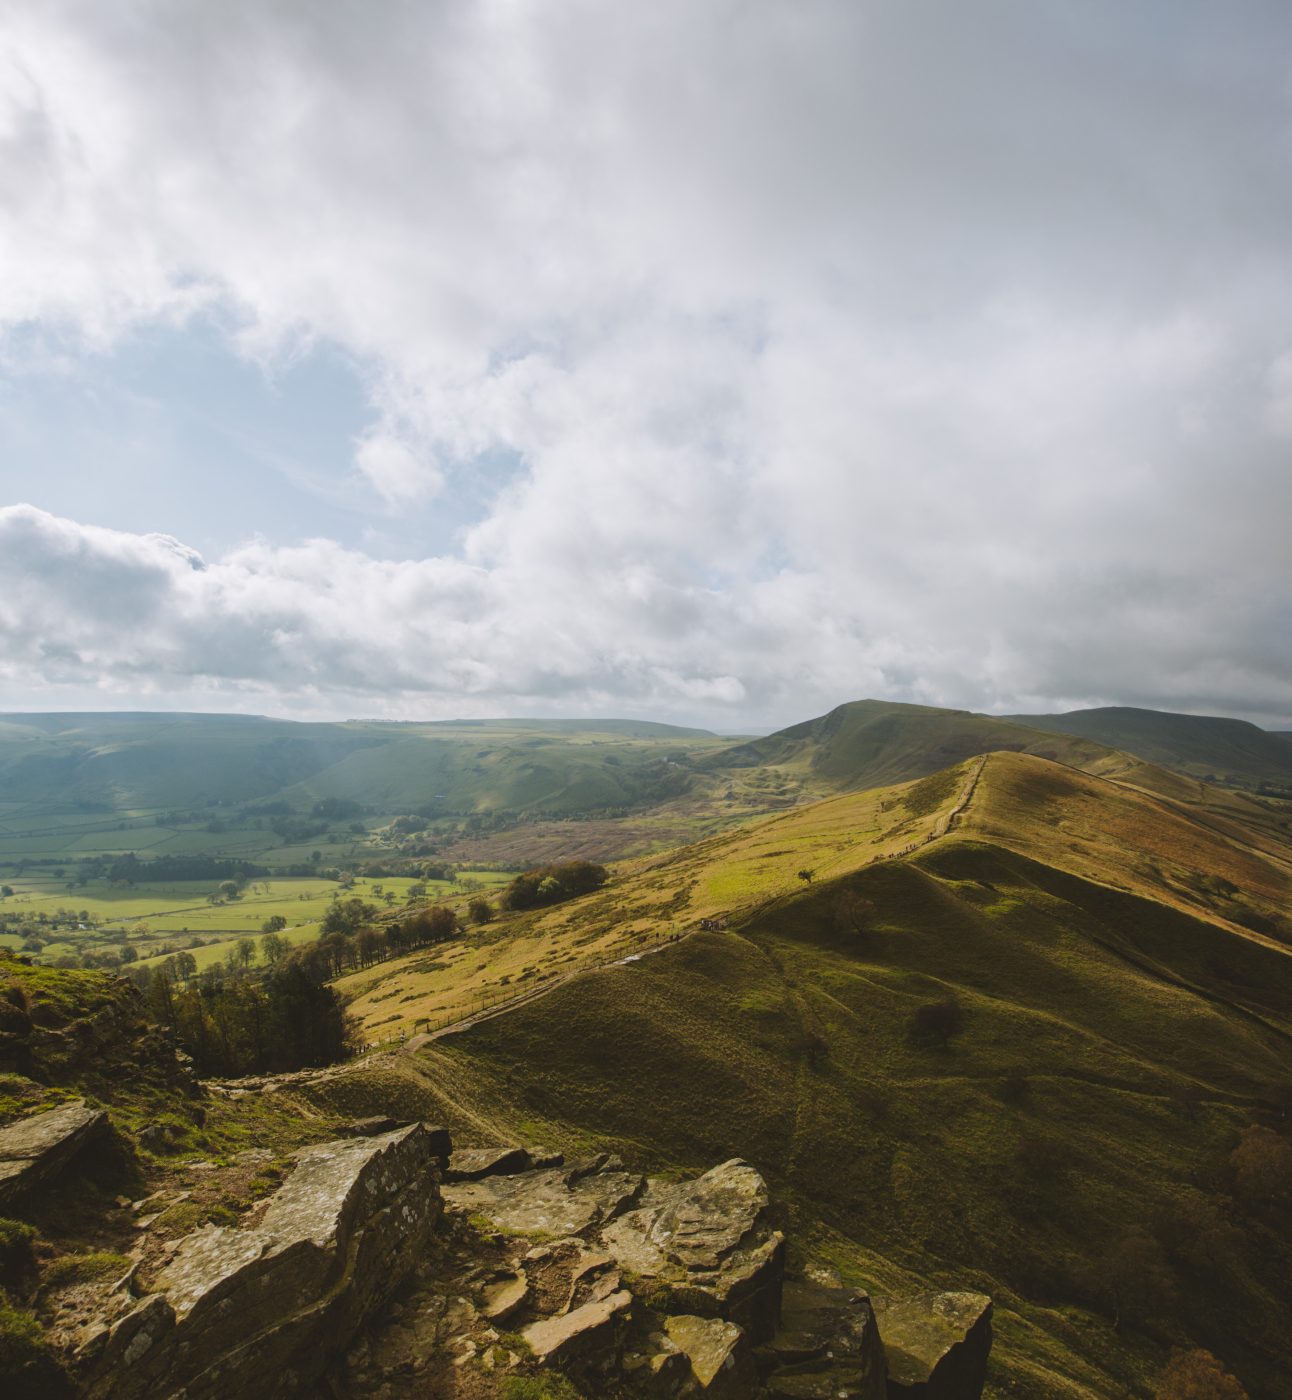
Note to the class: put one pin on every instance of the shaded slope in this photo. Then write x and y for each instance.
(1204, 746)
(1101, 1081)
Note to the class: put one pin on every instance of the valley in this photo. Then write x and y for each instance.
(986, 1007)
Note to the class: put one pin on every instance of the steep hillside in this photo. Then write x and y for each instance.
(1079, 1132)
(1203, 746)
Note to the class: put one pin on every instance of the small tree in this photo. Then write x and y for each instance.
(480, 911)
(275, 923)
(1133, 1278)
(273, 949)
(853, 912)
(807, 876)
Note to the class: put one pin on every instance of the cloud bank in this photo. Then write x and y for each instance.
(836, 349)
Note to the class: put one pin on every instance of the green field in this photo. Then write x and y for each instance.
(157, 918)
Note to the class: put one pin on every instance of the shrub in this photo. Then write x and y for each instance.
(1262, 1166)
(546, 1387)
(1197, 1375)
(553, 883)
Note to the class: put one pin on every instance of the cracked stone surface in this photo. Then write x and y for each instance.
(34, 1150)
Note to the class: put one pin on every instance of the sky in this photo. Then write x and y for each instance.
(715, 361)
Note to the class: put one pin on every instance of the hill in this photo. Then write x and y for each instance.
(1219, 750)
(132, 761)
(1120, 965)
(871, 743)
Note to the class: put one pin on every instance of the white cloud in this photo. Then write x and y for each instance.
(840, 349)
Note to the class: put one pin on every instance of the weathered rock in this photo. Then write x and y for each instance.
(588, 1334)
(474, 1163)
(260, 1312)
(709, 1244)
(722, 1367)
(549, 1202)
(937, 1345)
(503, 1296)
(827, 1347)
(34, 1150)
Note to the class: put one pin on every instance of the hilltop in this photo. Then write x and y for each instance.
(870, 743)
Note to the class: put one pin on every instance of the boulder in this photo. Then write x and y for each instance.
(827, 1347)
(718, 1354)
(504, 1295)
(709, 1244)
(556, 1202)
(260, 1312)
(589, 1337)
(937, 1345)
(35, 1150)
(473, 1163)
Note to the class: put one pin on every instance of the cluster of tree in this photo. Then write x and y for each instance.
(249, 1025)
(362, 943)
(550, 884)
(334, 808)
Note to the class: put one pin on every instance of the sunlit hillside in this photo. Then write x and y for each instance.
(1118, 1027)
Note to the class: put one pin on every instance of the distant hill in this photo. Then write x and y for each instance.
(870, 743)
(1216, 749)
(122, 762)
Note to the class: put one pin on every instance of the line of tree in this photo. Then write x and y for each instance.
(550, 884)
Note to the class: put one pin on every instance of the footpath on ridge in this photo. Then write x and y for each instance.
(500, 1008)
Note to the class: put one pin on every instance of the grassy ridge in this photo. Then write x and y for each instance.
(650, 900)
(1123, 1023)
(1204, 746)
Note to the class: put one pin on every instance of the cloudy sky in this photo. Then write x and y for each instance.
(714, 360)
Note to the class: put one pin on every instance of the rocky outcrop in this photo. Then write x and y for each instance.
(718, 1357)
(827, 1347)
(557, 1201)
(475, 1162)
(35, 1150)
(355, 1282)
(709, 1245)
(936, 1344)
(260, 1311)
